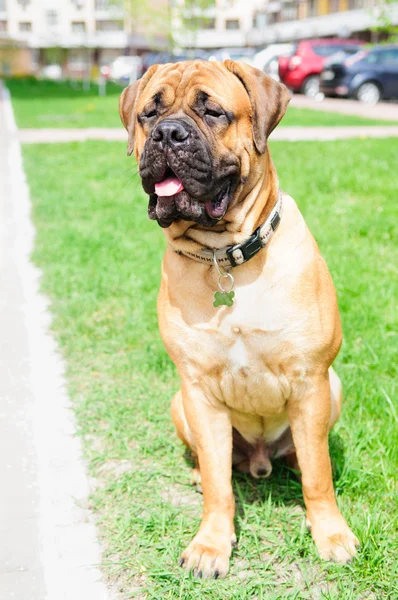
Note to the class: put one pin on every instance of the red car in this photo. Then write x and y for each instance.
(300, 71)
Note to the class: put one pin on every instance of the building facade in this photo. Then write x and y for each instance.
(73, 32)
(261, 22)
(225, 24)
(287, 21)
(77, 34)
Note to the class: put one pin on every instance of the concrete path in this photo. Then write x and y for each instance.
(385, 111)
(48, 543)
(39, 136)
(324, 134)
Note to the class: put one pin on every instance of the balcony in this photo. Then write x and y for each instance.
(106, 9)
(341, 24)
(102, 39)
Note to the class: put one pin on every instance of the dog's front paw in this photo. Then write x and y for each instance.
(334, 540)
(207, 557)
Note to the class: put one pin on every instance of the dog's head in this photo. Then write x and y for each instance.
(198, 129)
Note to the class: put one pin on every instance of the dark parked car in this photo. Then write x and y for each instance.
(160, 58)
(369, 75)
(300, 71)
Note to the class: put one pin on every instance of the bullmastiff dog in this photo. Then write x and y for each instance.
(247, 308)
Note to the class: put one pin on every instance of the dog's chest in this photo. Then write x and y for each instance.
(251, 380)
(237, 365)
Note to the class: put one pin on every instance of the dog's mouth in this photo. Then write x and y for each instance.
(216, 207)
(171, 201)
(170, 186)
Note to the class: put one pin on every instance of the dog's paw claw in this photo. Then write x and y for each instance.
(205, 560)
(338, 545)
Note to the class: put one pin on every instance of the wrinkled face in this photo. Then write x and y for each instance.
(194, 129)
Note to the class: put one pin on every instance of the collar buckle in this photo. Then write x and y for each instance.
(241, 253)
(275, 221)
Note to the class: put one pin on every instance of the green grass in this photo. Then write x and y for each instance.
(304, 117)
(39, 104)
(101, 260)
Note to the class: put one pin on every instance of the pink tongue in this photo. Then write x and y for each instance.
(169, 187)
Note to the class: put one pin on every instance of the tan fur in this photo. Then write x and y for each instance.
(265, 363)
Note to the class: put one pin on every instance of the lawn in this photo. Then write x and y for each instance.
(101, 260)
(39, 104)
(305, 117)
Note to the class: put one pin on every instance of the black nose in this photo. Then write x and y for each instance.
(170, 132)
(262, 471)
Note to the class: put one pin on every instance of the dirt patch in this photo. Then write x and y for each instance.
(181, 496)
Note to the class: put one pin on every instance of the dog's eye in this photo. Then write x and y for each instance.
(211, 112)
(151, 113)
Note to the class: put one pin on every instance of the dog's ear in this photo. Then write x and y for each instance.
(268, 98)
(128, 102)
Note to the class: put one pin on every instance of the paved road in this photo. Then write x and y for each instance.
(384, 111)
(48, 541)
(21, 571)
(38, 136)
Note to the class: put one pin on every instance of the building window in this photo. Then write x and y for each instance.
(109, 25)
(312, 8)
(208, 23)
(51, 17)
(3, 26)
(289, 11)
(25, 26)
(232, 24)
(78, 3)
(273, 18)
(24, 3)
(78, 27)
(2, 5)
(102, 4)
(259, 20)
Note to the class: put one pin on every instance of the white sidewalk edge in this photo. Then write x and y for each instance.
(70, 550)
(294, 133)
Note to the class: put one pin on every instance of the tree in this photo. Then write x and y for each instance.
(167, 19)
(148, 19)
(192, 15)
(385, 27)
